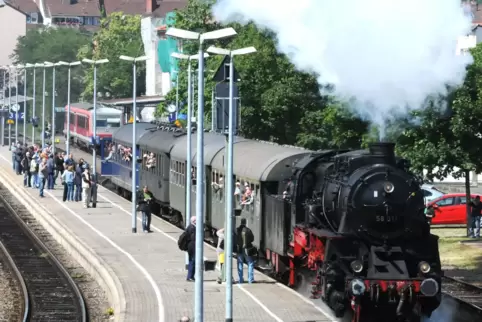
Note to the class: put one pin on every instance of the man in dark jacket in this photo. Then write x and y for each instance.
(144, 205)
(59, 166)
(245, 251)
(78, 180)
(26, 170)
(51, 172)
(191, 249)
(18, 159)
(476, 213)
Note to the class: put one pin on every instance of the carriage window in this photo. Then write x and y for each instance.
(101, 123)
(72, 118)
(123, 153)
(149, 161)
(82, 122)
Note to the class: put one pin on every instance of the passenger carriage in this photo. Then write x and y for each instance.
(108, 120)
(119, 168)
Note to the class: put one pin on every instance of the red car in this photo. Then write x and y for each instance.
(450, 209)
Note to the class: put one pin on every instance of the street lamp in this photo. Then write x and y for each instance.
(4, 102)
(134, 61)
(52, 128)
(34, 98)
(25, 67)
(229, 174)
(10, 104)
(94, 134)
(189, 134)
(17, 106)
(75, 63)
(190, 35)
(44, 65)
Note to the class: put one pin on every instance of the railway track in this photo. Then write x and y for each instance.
(52, 294)
(466, 293)
(21, 303)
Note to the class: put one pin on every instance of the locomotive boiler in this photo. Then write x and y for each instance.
(361, 232)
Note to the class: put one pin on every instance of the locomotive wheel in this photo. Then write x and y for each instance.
(304, 280)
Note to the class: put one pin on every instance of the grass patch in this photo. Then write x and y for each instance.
(454, 254)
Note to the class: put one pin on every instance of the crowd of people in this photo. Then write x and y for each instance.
(42, 168)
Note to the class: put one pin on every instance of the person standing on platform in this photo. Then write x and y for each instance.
(59, 165)
(51, 172)
(191, 249)
(78, 180)
(26, 170)
(42, 175)
(86, 186)
(220, 252)
(34, 167)
(245, 251)
(68, 179)
(144, 205)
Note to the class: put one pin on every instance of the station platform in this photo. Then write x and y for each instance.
(144, 274)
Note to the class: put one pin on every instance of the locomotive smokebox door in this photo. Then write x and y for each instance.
(387, 263)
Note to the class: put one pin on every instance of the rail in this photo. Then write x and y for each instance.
(55, 263)
(21, 281)
(463, 292)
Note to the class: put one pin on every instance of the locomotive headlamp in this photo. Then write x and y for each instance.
(424, 267)
(357, 266)
(388, 187)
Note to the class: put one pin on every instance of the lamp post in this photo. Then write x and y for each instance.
(4, 102)
(75, 63)
(229, 175)
(10, 104)
(52, 128)
(25, 67)
(17, 107)
(43, 104)
(34, 98)
(134, 61)
(190, 35)
(189, 135)
(95, 63)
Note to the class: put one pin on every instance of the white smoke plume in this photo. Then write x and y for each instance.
(388, 55)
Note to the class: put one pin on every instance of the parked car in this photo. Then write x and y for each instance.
(430, 193)
(450, 209)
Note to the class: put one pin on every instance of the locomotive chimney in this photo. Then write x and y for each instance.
(383, 149)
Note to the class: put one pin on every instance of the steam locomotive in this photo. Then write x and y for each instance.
(348, 223)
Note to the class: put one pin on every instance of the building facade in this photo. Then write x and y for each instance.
(160, 72)
(12, 20)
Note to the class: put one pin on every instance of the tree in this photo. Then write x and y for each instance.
(119, 35)
(49, 44)
(333, 127)
(441, 142)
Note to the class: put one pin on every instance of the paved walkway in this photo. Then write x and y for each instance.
(150, 268)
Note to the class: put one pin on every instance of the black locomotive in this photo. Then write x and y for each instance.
(351, 222)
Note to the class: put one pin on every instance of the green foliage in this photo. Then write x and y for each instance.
(441, 142)
(119, 35)
(53, 45)
(340, 129)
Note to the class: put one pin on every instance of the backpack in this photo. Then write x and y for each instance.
(183, 241)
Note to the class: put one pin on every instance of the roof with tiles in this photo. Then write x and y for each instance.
(139, 7)
(87, 8)
(23, 5)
